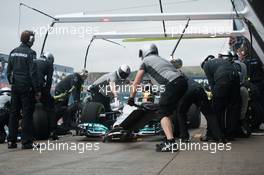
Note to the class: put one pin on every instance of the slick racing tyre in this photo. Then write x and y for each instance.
(40, 123)
(91, 112)
(194, 117)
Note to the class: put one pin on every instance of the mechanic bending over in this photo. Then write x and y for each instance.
(175, 83)
(100, 88)
(45, 73)
(23, 78)
(72, 82)
(223, 79)
(195, 94)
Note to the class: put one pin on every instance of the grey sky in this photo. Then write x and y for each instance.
(70, 49)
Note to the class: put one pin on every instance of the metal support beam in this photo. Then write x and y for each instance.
(83, 18)
(169, 35)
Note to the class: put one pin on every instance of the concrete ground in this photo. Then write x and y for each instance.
(246, 157)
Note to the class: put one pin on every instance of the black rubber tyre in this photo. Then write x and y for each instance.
(194, 117)
(255, 115)
(106, 139)
(40, 123)
(91, 112)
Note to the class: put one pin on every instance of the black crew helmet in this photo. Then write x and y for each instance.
(148, 49)
(209, 57)
(48, 57)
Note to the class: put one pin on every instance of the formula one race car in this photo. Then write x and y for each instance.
(129, 123)
(95, 121)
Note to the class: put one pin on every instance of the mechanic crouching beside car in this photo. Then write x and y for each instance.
(23, 78)
(224, 81)
(196, 94)
(71, 85)
(105, 88)
(175, 86)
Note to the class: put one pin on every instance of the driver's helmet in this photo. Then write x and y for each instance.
(5, 91)
(123, 72)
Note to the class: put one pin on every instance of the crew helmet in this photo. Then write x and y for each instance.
(177, 63)
(147, 50)
(48, 56)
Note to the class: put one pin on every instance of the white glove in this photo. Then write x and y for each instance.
(116, 102)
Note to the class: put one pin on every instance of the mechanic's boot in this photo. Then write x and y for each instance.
(54, 136)
(207, 138)
(2, 138)
(167, 146)
(185, 139)
(222, 140)
(230, 138)
(246, 131)
(30, 146)
(11, 145)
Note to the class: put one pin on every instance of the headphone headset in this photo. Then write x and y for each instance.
(28, 37)
(32, 38)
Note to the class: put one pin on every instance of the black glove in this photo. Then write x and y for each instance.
(131, 101)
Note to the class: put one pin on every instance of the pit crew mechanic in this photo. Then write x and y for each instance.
(175, 83)
(244, 93)
(72, 82)
(224, 81)
(100, 88)
(195, 94)
(255, 67)
(23, 78)
(45, 73)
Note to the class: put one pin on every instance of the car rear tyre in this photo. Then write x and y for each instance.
(194, 117)
(91, 112)
(40, 123)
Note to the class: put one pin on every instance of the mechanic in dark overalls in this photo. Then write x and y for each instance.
(22, 76)
(74, 84)
(45, 73)
(223, 79)
(255, 69)
(244, 130)
(195, 94)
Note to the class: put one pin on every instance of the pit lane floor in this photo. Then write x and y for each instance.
(246, 157)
